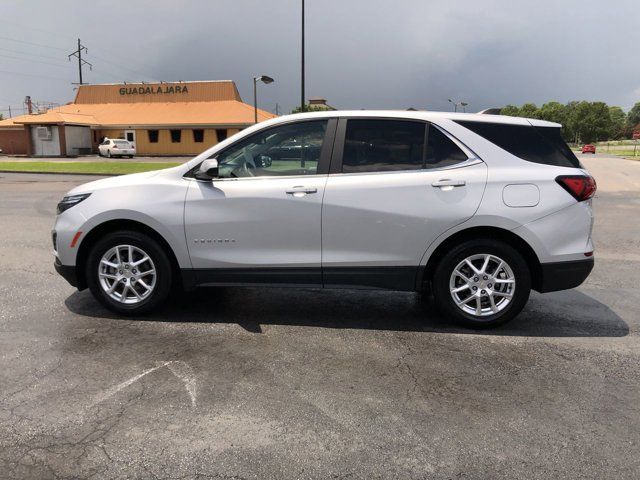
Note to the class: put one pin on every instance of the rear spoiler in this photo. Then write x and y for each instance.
(491, 111)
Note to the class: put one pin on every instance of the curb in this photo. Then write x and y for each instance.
(67, 173)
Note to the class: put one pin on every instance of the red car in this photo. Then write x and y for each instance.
(588, 148)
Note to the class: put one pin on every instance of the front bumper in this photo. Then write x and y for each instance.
(68, 272)
(564, 275)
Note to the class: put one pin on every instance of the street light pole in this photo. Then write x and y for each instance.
(264, 79)
(302, 65)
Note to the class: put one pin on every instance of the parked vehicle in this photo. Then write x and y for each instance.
(116, 147)
(476, 210)
(588, 148)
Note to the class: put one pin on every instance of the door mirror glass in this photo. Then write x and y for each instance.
(208, 170)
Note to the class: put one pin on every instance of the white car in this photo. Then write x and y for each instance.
(116, 147)
(476, 209)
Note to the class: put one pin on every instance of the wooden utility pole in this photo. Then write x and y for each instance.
(78, 53)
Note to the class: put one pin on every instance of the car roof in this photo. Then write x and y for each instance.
(419, 115)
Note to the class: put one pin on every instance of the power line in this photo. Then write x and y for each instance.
(32, 43)
(34, 75)
(36, 61)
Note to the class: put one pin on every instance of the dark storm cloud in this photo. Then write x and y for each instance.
(360, 54)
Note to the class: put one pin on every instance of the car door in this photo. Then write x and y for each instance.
(388, 197)
(260, 221)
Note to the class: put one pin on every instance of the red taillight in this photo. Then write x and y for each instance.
(115, 146)
(581, 187)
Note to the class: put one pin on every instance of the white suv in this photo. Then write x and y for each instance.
(475, 209)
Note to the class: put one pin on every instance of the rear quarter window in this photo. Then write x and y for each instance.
(535, 144)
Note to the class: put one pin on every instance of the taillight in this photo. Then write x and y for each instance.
(581, 187)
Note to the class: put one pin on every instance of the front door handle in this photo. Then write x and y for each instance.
(300, 191)
(449, 183)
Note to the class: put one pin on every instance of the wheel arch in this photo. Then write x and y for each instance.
(425, 274)
(116, 225)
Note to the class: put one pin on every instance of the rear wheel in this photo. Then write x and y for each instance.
(482, 283)
(128, 272)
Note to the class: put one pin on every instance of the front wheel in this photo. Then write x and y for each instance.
(128, 272)
(482, 283)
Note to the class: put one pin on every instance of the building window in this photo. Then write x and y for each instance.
(221, 133)
(175, 136)
(198, 136)
(153, 136)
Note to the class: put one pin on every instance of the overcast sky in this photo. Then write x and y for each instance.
(360, 53)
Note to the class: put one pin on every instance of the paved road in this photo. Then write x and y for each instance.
(270, 383)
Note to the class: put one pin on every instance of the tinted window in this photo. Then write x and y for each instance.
(176, 135)
(292, 149)
(442, 151)
(535, 144)
(198, 136)
(153, 136)
(383, 145)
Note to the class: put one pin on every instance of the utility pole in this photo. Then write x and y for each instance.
(78, 53)
(9, 111)
(302, 76)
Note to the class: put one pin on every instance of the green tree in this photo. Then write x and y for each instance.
(591, 121)
(633, 117)
(529, 110)
(618, 122)
(312, 108)
(510, 110)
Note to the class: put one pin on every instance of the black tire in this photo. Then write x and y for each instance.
(444, 270)
(152, 249)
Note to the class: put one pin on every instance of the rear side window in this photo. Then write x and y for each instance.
(535, 144)
(383, 145)
(396, 145)
(441, 151)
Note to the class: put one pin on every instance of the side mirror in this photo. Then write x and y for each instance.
(208, 170)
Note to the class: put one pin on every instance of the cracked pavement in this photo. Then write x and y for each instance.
(275, 383)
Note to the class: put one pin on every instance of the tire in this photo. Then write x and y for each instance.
(513, 278)
(136, 298)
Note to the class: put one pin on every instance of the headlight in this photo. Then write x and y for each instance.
(67, 202)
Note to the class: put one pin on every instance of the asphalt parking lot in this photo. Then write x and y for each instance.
(274, 383)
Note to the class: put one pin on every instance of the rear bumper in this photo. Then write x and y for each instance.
(68, 272)
(564, 275)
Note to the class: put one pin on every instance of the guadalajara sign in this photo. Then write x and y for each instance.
(153, 90)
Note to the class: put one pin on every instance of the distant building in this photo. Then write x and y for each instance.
(182, 118)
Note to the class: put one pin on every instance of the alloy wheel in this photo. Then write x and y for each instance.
(482, 285)
(127, 274)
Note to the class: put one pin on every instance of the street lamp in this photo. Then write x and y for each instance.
(264, 79)
(456, 104)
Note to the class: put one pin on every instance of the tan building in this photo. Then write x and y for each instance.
(182, 118)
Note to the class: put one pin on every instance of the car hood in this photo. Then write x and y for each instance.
(119, 181)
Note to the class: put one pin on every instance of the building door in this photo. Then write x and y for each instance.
(130, 135)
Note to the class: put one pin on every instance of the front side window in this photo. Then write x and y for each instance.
(383, 145)
(292, 149)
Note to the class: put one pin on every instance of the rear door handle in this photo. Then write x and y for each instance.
(449, 183)
(300, 191)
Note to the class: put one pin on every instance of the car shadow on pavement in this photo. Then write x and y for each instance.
(561, 314)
